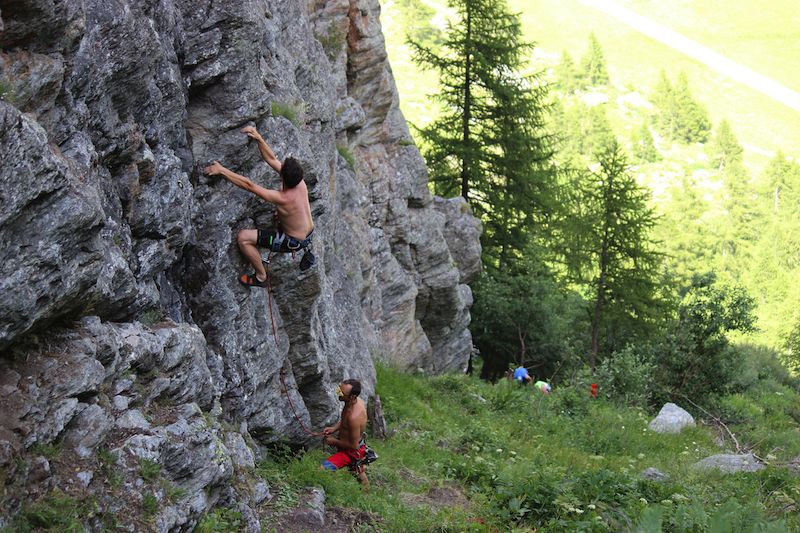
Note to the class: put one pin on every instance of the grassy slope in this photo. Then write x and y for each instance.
(763, 36)
(557, 25)
(574, 464)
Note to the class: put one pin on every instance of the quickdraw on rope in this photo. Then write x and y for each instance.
(285, 390)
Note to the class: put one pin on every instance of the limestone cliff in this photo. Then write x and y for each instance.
(126, 339)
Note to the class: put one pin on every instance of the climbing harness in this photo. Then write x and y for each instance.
(358, 464)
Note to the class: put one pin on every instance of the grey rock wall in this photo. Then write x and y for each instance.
(125, 338)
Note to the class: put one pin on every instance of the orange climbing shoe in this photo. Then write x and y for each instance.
(252, 281)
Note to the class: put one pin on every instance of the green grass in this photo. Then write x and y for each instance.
(221, 520)
(149, 470)
(55, 512)
(764, 37)
(292, 112)
(348, 156)
(561, 462)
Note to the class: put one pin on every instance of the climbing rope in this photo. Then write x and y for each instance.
(285, 390)
(268, 288)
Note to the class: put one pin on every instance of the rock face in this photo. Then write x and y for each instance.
(125, 337)
(671, 419)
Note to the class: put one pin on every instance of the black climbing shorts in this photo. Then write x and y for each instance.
(277, 241)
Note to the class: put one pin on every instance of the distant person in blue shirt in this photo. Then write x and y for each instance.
(521, 375)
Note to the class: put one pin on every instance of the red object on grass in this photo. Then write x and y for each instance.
(594, 390)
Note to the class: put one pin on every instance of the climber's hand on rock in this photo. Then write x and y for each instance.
(252, 132)
(213, 168)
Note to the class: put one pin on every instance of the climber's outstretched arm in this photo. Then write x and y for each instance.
(266, 152)
(244, 182)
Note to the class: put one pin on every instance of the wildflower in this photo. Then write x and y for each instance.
(643, 500)
(592, 506)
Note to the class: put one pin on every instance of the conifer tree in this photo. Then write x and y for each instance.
(724, 149)
(678, 115)
(489, 144)
(693, 122)
(587, 131)
(593, 65)
(567, 73)
(665, 119)
(609, 250)
(644, 148)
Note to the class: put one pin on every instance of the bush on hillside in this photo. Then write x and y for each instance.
(695, 358)
(760, 364)
(627, 377)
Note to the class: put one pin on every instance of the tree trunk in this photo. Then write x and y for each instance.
(377, 423)
(598, 305)
(465, 133)
(601, 278)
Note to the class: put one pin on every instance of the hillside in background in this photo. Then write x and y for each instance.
(764, 40)
(711, 218)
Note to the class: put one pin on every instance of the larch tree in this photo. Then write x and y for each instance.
(724, 149)
(609, 250)
(593, 65)
(489, 143)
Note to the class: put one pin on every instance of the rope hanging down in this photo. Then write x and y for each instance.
(268, 288)
(284, 388)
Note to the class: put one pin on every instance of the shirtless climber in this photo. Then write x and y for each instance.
(351, 426)
(295, 228)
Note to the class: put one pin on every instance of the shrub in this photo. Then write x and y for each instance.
(694, 357)
(759, 363)
(508, 395)
(222, 519)
(627, 377)
(573, 399)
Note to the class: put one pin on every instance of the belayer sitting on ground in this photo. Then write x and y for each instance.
(295, 229)
(351, 428)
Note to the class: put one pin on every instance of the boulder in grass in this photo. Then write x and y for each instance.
(730, 463)
(654, 474)
(671, 419)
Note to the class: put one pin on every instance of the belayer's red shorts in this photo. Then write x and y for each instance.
(344, 458)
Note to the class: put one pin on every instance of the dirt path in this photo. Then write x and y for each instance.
(699, 52)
